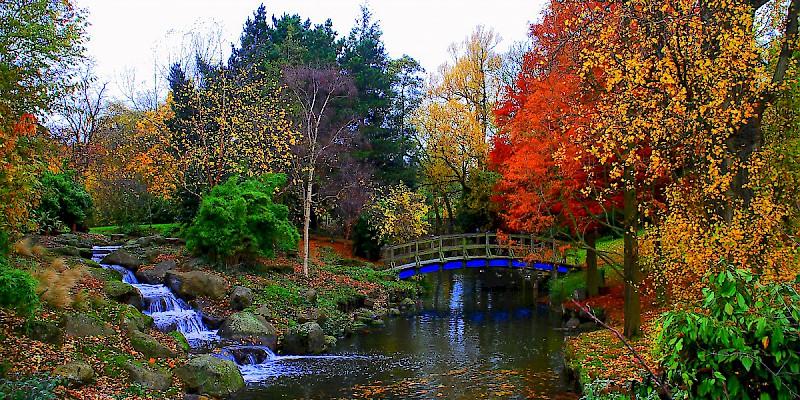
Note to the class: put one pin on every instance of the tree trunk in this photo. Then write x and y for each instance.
(449, 209)
(592, 277)
(631, 272)
(307, 220)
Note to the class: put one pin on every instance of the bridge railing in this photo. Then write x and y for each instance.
(466, 246)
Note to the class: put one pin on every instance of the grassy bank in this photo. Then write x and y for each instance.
(161, 229)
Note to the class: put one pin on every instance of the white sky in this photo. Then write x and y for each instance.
(140, 35)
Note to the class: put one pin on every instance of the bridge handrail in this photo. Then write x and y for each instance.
(419, 250)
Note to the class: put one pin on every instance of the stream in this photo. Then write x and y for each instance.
(478, 334)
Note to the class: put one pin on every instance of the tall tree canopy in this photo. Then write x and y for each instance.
(40, 41)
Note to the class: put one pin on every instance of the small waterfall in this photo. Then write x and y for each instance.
(169, 312)
(99, 252)
(257, 363)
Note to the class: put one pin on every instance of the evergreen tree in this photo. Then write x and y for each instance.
(365, 59)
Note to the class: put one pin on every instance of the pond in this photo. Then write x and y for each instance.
(478, 334)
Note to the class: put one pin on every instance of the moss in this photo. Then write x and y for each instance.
(181, 340)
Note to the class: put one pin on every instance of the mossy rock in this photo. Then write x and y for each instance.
(134, 319)
(123, 258)
(46, 332)
(75, 374)
(330, 341)
(67, 251)
(148, 376)
(85, 253)
(149, 347)
(124, 293)
(304, 339)
(246, 326)
(82, 325)
(212, 376)
(181, 339)
(103, 274)
(193, 284)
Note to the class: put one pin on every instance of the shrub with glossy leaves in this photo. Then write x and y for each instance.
(238, 221)
(743, 343)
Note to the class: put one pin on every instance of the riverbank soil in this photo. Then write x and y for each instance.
(600, 358)
(84, 320)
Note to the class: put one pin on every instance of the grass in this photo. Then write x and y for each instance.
(163, 229)
(605, 243)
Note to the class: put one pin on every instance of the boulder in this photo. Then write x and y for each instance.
(241, 298)
(133, 319)
(175, 240)
(156, 240)
(265, 312)
(579, 294)
(67, 251)
(573, 323)
(304, 339)
(181, 340)
(212, 322)
(212, 376)
(149, 377)
(46, 332)
(104, 274)
(149, 347)
(330, 341)
(86, 253)
(245, 326)
(312, 315)
(75, 374)
(123, 258)
(82, 325)
(407, 303)
(124, 293)
(192, 284)
(69, 239)
(311, 295)
(155, 276)
(393, 311)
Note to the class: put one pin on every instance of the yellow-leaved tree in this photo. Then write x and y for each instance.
(683, 89)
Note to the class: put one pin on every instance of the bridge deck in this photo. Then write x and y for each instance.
(479, 246)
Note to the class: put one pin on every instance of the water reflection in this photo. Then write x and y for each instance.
(474, 337)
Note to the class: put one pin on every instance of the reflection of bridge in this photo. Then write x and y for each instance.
(476, 250)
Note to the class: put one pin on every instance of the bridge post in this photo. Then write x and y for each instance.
(488, 250)
(441, 253)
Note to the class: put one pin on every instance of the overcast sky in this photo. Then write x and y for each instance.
(142, 35)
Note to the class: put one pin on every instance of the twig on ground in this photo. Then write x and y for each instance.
(627, 344)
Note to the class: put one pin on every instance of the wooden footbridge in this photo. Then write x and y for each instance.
(478, 250)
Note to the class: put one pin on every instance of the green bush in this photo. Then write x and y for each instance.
(29, 388)
(64, 202)
(238, 221)
(744, 343)
(17, 288)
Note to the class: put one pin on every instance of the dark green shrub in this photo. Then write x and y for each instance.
(64, 203)
(744, 343)
(366, 241)
(17, 289)
(29, 388)
(238, 221)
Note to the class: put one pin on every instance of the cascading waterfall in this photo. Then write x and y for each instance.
(257, 363)
(169, 312)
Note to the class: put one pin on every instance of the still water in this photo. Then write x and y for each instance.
(472, 338)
